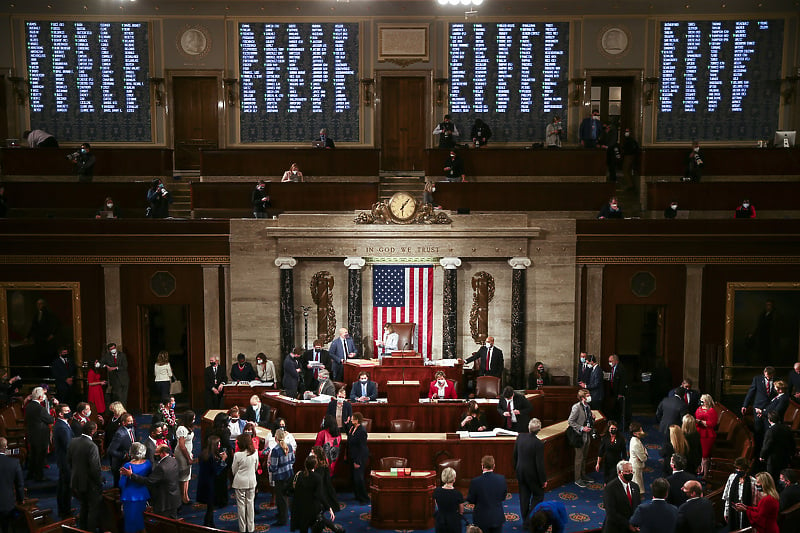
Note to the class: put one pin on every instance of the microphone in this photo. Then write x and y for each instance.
(405, 345)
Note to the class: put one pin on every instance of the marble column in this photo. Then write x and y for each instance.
(594, 308)
(286, 264)
(518, 306)
(354, 319)
(450, 306)
(691, 322)
(211, 311)
(112, 297)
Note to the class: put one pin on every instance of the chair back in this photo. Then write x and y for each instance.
(388, 463)
(402, 426)
(405, 334)
(367, 423)
(452, 462)
(487, 387)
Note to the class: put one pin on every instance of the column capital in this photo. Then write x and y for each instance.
(285, 263)
(450, 263)
(354, 263)
(519, 263)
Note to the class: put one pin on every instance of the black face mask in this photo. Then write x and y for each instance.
(628, 477)
(759, 488)
(613, 431)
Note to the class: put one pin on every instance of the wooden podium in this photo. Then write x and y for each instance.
(403, 358)
(402, 502)
(399, 392)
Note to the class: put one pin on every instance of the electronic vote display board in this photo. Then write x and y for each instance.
(89, 80)
(296, 79)
(720, 80)
(514, 76)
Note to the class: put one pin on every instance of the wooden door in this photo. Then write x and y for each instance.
(403, 130)
(196, 118)
(613, 96)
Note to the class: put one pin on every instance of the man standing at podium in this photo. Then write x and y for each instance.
(342, 348)
(490, 359)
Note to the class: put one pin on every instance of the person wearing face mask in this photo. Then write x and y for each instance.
(265, 369)
(388, 343)
(441, 388)
(84, 161)
(454, 167)
(82, 416)
(538, 377)
(611, 210)
(242, 370)
(120, 445)
(260, 201)
(115, 362)
(162, 481)
(637, 452)
(292, 175)
(292, 374)
(258, 413)
(529, 466)
(62, 436)
(630, 153)
(790, 490)
(739, 488)
(64, 373)
(581, 420)
(109, 209)
(553, 133)
(340, 408)
(235, 424)
(364, 390)
(621, 497)
(763, 516)
(595, 385)
(671, 211)
(214, 378)
(746, 210)
(280, 423)
(613, 449)
(590, 130)
(95, 381)
(447, 132)
(490, 359)
(584, 371)
(154, 439)
(694, 164)
(515, 410)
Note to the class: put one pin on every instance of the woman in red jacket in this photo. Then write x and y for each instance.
(706, 417)
(764, 516)
(441, 387)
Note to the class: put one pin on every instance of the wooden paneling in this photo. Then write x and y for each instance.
(196, 118)
(725, 196)
(520, 162)
(61, 199)
(739, 161)
(273, 162)
(143, 162)
(523, 196)
(403, 132)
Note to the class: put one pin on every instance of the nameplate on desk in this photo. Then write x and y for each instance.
(407, 382)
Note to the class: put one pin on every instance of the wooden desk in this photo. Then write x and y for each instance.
(382, 374)
(402, 502)
(240, 394)
(144, 162)
(264, 162)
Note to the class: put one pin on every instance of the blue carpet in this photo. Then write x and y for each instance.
(584, 505)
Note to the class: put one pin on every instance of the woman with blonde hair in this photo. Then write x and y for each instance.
(695, 452)
(388, 343)
(449, 504)
(706, 417)
(764, 516)
(162, 371)
(113, 422)
(281, 466)
(676, 444)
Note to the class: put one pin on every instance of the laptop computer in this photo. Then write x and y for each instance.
(317, 144)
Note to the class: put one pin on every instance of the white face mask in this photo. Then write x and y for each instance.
(113, 351)
(745, 205)
(441, 382)
(674, 206)
(588, 399)
(97, 364)
(109, 205)
(627, 134)
(362, 380)
(696, 148)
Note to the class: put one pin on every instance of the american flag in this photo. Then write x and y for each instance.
(404, 293)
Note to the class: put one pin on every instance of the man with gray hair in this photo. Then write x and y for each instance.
(324, 386)
(11, 486)
(621, 497)
(37, 425)
(529, 466)
(162, 482)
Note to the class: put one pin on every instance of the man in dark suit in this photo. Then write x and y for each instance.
(291, 373)
(116, 363)
(364, 390)
(341, 349)
(64, 372)
(62, 436)
(656, 516)
(670, 412)
(621, 497)
(242, 370)
(11, 486)
(487, 493)
(696, 515)
(214, 377)
(325, 141)
(618, 390)
(779, 446)
(529, 466)
(790, 495)
(584, 370)
(311, 361)
(37, 425)
(595, 385)
(794, 382)
(157, 431)
(87, 481)
(258, 413)
(678, 479)
(761, 392)
(359, 454)
(515, 410)
(121, 444)
(490, 360)
(780, 403)
(690, 396)
(162, 482)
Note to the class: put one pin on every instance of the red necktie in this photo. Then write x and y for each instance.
(628, 490)
(686, 397)
(769, 389)
(508, 418)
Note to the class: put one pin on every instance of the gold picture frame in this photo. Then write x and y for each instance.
(753, 339)
(18, 302)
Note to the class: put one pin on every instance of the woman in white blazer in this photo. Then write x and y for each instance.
(245, 464)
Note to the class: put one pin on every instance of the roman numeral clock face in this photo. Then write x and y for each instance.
(402, 206)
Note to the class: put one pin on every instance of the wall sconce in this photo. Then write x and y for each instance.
(650, 88)
(788, 88)
(577, 92)
(231, 94)
(158, 91)
(441, 88)
(368, 84)
(21, 88)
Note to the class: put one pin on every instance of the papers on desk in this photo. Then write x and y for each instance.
(322, 398)
(496, 432)
(254, 383)
(442, 362)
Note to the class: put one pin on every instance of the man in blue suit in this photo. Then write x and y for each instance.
(121, 444)
(364, 390)
(62, 435)
(656, 516)
(759, 395)
(341, 349)
(11, 486)
(488, 492)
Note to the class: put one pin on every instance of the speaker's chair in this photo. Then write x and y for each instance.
(487, 387)
(387, 463)
(402, 426)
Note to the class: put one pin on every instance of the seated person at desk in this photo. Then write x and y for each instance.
(539, 377)
(324, 140)
(265, 369)
(389, 342)
(324, 386)
(364, 390)
(242, 370)
(340, 408)
(293, 174)
(473, 420)
(235, 424)
(109, 210)
(313, 361)
(258, 413)
(516, 409)
(454, 168)
(441, 387)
